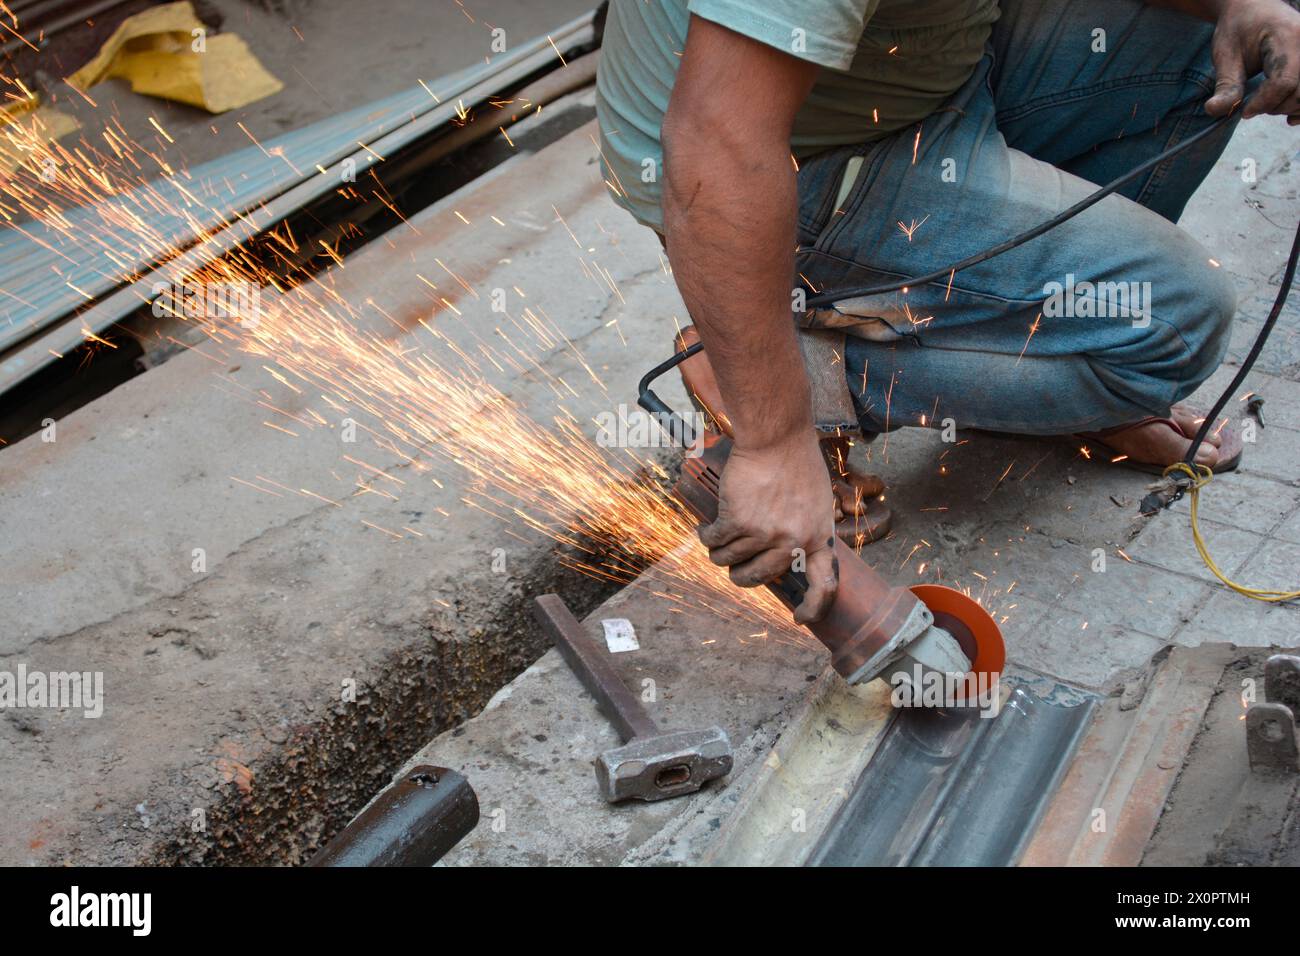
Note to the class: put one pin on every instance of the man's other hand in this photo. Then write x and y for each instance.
(776, 514)
(1253, 36)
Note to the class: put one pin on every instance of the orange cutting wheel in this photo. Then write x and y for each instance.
(973, 627)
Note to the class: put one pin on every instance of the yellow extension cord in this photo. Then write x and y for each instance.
(1201, 476)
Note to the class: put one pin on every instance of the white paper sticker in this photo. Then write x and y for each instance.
(619, 635)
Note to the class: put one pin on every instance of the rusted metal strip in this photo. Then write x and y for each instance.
(1113, 796)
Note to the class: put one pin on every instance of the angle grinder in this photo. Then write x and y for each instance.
(873, 628)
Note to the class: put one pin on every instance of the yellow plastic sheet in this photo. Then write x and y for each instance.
(26, 127)
(167, 52)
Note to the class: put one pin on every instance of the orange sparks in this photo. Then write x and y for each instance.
(1032, 329)
(910, 230)
(563, 62)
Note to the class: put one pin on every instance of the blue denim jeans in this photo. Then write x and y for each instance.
(1110, 317)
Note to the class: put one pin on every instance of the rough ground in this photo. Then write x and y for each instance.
(223, 685)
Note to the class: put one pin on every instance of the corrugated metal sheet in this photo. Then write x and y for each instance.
(951, 788)
(34, 293)
(40, 266)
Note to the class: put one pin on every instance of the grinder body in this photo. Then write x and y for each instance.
(871, 624)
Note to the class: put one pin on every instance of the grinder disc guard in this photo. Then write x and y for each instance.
(973, 627)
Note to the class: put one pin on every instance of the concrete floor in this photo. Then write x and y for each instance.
(223, 684)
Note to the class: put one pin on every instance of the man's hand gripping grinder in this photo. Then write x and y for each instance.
(873, 629)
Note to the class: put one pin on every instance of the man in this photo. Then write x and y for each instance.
(925, 131)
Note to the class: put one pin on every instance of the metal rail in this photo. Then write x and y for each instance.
(51, 326)
(952, 788)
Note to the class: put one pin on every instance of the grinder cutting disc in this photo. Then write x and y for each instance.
(973, 627)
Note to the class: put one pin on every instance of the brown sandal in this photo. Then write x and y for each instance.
(1230, 445)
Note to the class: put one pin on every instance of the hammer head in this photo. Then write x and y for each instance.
(663, 765)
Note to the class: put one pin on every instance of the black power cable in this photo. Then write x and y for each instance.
(1283, 291)
(1091, 199)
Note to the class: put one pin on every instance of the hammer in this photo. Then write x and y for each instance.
(650, 765)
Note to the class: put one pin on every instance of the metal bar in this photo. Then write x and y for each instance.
(61, 335)
(36, 34)
(956, 789)
(616, 702)
(412, 822)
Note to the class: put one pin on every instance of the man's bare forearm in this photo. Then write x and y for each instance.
(730, 204)
(729, 214)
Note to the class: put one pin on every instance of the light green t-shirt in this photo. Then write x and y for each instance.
(886, 64)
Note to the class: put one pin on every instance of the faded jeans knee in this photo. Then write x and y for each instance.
(1181, 345)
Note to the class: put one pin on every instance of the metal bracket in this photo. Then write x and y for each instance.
(1271, 739)
(823, 358)
(1282, 680)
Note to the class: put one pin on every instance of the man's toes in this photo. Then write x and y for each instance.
(1212, 437)
(865, 486)
(1190, 423)
(847, 499)
(1207, 454)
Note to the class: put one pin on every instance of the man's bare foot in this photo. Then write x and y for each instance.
(1155, 442)
(860, 516)
(853, 491)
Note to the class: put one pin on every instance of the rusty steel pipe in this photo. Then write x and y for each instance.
(413, 822)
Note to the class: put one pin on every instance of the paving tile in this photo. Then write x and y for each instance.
(1274, 453)
(1289, 530)
(1282, 352)
(1210, 390)
(1018, 614)
(1128, 595)
(1281, 399)
(1093, 657)
(1239, 500)
(1166, 542)
(1026, 563)
(1055, 641)
(1243, 621)
(1020, 626)
(1275, 566)
(1275, 450)
(1230, 616)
